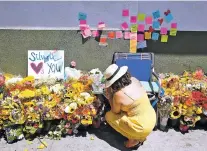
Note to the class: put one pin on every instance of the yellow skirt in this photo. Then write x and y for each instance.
(130, 126)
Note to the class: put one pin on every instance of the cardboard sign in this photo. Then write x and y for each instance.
(46, 63)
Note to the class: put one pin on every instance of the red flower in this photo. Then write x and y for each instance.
(70, 131)
(36, 125)
(2, 80)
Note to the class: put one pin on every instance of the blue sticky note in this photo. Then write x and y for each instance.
(142, 44)
(156, 14)
(82, 16)
(169, 18)
(155, 36)
(155, 24)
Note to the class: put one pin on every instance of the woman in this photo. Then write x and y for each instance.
(131, 112)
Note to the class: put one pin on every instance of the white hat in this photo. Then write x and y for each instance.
(113, 73)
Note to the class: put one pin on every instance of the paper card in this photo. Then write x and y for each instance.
(173, 25)
(141, 17)
(126, 35)
(142, 44)
(133, 46)
(133, 36)
(82, 16)
(147, 35)
(95, 33)
(133, 19)
(83, 27)
(111, 35)
(156, 14)
(125, 12)
(101, 25)
(141, 27)
(164, 38)
(148, 20)
(124, 26)
(168, 18)
(103, 40)
(173, 32)
(163, 31)
(134, 28)
(86, 33)
(119, 34)
(156, 24)
(83, 22)
(155, 36)
(140, 37)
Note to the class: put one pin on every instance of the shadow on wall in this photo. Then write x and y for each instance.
(186, 50)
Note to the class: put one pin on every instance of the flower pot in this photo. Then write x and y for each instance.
(174, 123)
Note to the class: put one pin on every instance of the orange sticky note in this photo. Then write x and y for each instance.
(103, 41)
(111, 35)
(133, 46)
(164, 38)
(147, 35)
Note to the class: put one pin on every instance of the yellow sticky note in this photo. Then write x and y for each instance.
(164, 38)
(133, 46)
(173, 32)
(134, 28)
(147, 35)
(141, 17)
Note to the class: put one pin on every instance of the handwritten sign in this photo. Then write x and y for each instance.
(46, 63)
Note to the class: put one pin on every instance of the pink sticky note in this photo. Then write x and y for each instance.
(140, 37)
(119, 34)
(133, 19)
(101, 25)
(141, 27)
(133, 36)
(125, 12)
(95, 33)
(148, 20)
(86, 33)
(126, 35)
(163, 31)
(173, 25)
(124, 25)
(82, 22)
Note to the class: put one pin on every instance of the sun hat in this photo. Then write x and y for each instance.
(113, 73)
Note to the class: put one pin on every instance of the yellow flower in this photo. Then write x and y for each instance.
(45, 90)
(199, 110)
(71, 108)
(87, 120)
(26, 94)
(175, 114)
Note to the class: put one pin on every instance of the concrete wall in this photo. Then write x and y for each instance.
(186, 51)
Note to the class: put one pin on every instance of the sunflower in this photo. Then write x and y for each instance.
(175, 113)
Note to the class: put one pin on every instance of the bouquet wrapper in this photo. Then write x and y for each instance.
(14, 133)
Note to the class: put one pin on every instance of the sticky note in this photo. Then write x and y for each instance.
(156, 24)
(147, 35)
(156, 14)
(173, 25)
(103, 41)
(134, 28)
(119, 34)
(133, 19)
(124, 26)
(140, 37)
(168, 18)
(82, 16)
(125, 12)
(148, 20)
(111, 35)
(163, 31)
(101, 25)
(86, 33)
(133, 46)
(142, 44)
(164, 38)
(141, 17)
(95, 33)
(173, 32)
(83, 22)
(141, 27)
(126, 35)
(133, 36)
(155, 36)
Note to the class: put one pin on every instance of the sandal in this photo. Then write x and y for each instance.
(135, 146)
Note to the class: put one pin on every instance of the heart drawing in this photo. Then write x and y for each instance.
(37, 68)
